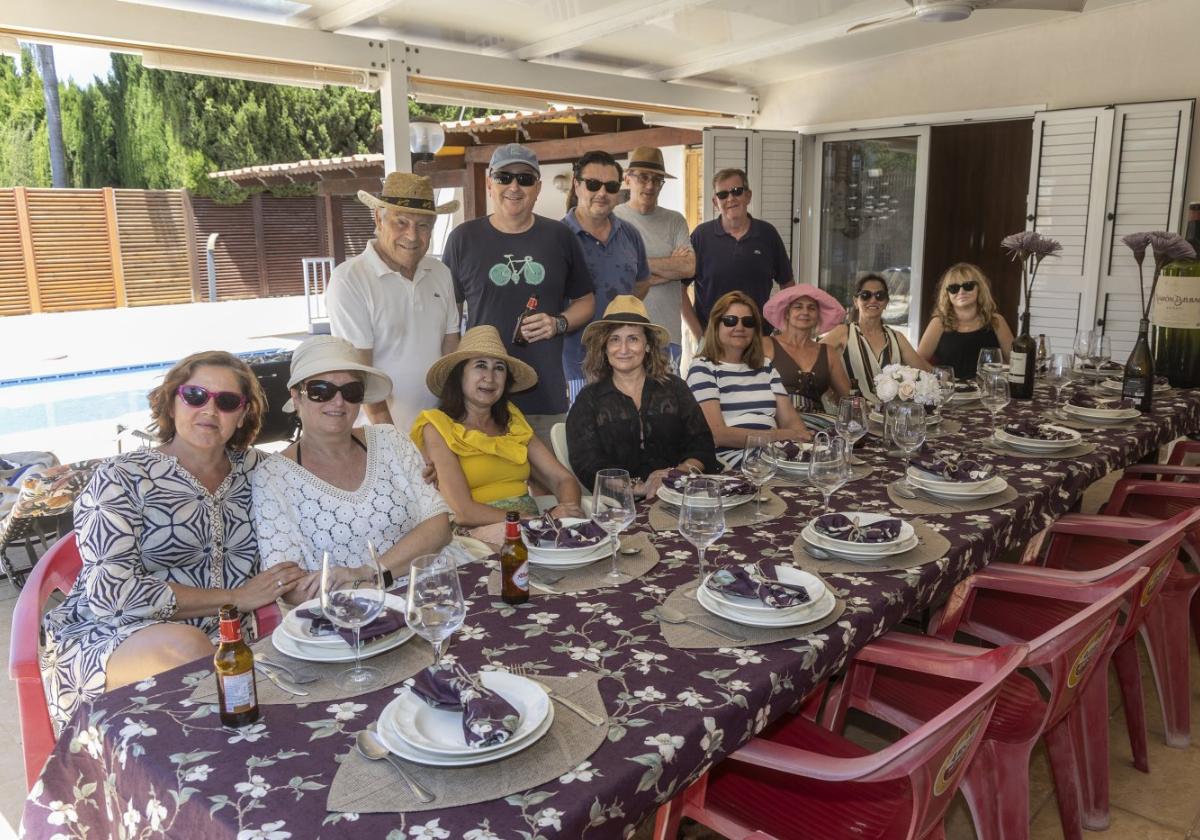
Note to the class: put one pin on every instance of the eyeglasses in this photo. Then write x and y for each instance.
(732, 321)
(724, 194)
(594, 185)
(321, 390)
(197, 396)
(524, 179)
(968, 286)
(865, 295)
(648, 180)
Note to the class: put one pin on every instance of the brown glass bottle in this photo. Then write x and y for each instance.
(514, 563)
(530, 308)
(237, 693)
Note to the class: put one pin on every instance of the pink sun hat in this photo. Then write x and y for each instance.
(832, 313)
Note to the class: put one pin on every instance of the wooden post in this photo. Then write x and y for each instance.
(31, 278)
(193, 251)
(475, 190)
(260, 245)
(114, 246)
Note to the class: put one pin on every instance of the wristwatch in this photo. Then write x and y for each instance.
(560, 324)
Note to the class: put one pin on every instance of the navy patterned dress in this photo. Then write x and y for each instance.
(143, 521)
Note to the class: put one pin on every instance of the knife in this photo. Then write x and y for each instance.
(284, 683)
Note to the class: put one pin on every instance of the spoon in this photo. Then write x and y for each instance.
(369, 746)
(674, 616)
(908, 493)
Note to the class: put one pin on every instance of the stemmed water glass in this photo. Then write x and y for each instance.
(759, 464)
(1081, 347)
(991, 360)
(352, 598)
(994, 395)
(613, 510)
(945, 381)
(701, 520)
(1099, 351)
(908, 430)
(1058, 374)
(435, 607)
(828, 465)
(851, 423)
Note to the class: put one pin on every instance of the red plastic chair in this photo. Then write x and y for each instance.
(799, 780)
(56, 571)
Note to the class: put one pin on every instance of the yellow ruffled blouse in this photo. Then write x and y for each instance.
(496, 467)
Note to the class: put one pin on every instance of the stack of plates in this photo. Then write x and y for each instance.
(675, 498)
(1102, 415)
(937, 486)
(1114, 386)
(755, 613)
(568, 558)
(1038, 445)
(793, 466)
(966, 396)
(291, 637)
(863, 552)
(414, 730)
(1093, 373)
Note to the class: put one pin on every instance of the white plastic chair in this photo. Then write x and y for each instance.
(558, 440)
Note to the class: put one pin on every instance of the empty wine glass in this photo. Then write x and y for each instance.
(909, 432)
(851, 423)
(1083, 343)
(759, 464)
(991, 360)
(352, 597)
(435, 607)
(1099, 351)
(701, 520)
(613, 510)
(994, 395)
(1058, 374)
(945, 380)
(827, 465)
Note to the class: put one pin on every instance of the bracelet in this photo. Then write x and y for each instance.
(388, 579)
(560, 324)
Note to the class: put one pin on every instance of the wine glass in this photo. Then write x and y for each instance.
(827, 465)
(435, 607)
(945, 380)
(1058, 374)
(1099, 351)
(613, 510)
(352, 597)
(994, 395)
(1083, 342)
(991, 360)
(759, 464)
(908, 430)
(701, 520)
(851, 423)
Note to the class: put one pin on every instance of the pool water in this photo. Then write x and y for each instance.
(67, 402)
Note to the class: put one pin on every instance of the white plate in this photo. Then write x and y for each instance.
(1092, 373)
(792, 466)
(288, 646)
(599, 552)
(675, 498)
(391, 737)
(1102, 415)
(440, 732)
(1114, 386)
(923, 476)
(564, 553)
(822, 607)
(860, 519)
(858, 552)
(949, 490)
(965, 396)
(787, 574)
(296, 628)
(930, 417)
(1036, 445)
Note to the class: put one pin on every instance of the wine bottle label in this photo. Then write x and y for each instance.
(1177, 303)
(520, 577)
(1133, 389)
(239, 693)
(1016, 368)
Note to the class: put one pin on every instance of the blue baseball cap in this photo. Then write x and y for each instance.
(511, 153)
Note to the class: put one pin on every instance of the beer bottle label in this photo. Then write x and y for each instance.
(239, 692)
(231, 630)
(520, 577)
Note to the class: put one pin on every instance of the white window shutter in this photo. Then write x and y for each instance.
(724, 148)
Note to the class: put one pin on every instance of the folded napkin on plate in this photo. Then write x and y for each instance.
(954, 469)
(1036, 431)
(387, 623)
(488, 719)
(1104, 366)
(793, 451)
(731, 485)
(548, 532)
(838, 526)
(1082, 399)
(965, 387)
(759, 582)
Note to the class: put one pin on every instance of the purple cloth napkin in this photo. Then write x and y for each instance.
(954, 469)
(488, 719)
(1082, 399)
(761, 583)
(387, 623)
(793, 451)
(838, 526)
(1105, 366)
(548, 532)
(731, 485)
(1036, 431)
(965, 387)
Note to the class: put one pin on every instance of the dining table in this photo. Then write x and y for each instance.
(149, 760)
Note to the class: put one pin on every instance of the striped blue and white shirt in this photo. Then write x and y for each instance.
(747, 396)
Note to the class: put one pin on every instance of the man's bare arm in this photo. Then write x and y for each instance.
(679, 266)
(377, 412)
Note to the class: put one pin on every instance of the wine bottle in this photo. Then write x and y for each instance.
(514, 563)
(1175, 314)
(530, 308)
(237, 693)
(1022, 362)
(1138, 382)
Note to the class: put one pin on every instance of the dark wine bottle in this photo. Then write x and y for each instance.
(1175, 314)
(1138, 382)
(1022, 362)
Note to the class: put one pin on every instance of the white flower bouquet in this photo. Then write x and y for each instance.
(900, 382)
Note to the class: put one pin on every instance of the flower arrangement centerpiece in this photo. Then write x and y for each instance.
(900, 382)
(1029, 248)
(1167, 248)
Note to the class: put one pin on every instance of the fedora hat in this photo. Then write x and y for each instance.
(628, 311)
(408, 193)
(483, 340)
(830, 311)
(326, 354)
(648, 158)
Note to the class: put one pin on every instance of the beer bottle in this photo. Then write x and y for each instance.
(514, 563)
(237, 694)
(530, 308)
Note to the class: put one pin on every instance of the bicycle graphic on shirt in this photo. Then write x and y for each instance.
(514, 271)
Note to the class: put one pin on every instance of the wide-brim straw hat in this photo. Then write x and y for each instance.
(831, 312)
(407, 193)
(327, 354)
(648, 158)
(479, 341)
(628, 311)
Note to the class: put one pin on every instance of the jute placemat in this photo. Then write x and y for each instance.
(663, 518)
(692, 637)
(594, 576)
(801, 479)
(397, 665)
(1073, 452)
(1086, 425)
(373, 787)
(928, 506)
(931, 546)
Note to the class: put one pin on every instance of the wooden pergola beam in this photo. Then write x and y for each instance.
(564, 151)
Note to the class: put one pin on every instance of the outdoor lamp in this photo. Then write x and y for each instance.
(425, 138)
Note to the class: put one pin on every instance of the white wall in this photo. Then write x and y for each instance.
(1141, 52)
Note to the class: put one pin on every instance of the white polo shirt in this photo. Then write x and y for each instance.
(401, 321)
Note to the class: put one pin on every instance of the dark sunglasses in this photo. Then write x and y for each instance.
(732, 321)
(968, 286)
(524, 179)
(320, 390)
(865, 295)
(197, 396)
(724, 194)
(594, 185)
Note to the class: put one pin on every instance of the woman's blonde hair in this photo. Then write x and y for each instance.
(162, 398)
(961, 273)
(595, 359)
(711, 348)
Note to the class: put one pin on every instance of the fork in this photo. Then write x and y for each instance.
(298, 677)
(590, 717)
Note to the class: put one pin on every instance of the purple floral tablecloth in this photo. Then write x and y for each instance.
(144, 762)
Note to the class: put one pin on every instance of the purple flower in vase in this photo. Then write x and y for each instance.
(1167, 248)
(1030, 248)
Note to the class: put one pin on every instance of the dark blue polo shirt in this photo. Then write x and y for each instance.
(750, 264)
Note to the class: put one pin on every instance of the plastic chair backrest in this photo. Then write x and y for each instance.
(558, 440)
(1150, 499)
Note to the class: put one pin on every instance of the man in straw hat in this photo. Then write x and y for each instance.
(668, 245)
(392, 302)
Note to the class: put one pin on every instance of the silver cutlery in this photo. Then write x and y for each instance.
(298, 677)
(590, 717)
(674, 616)
(909, 493)
(370, 747)
(283, 683)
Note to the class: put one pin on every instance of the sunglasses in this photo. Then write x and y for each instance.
(524, 179)
(320, 390)
(732, 321)
(594, 185)
(724, 194)
(968, 286)
(197, 396)
(865, 295)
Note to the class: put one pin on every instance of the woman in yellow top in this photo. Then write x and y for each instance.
(482, 447)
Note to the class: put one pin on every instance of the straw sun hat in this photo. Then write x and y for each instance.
(628, 311)
(326, 354)
(408, 193)
(480, 341)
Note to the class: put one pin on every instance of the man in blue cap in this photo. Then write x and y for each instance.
(503, 260)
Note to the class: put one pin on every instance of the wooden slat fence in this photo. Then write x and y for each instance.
(154, 255)
(358, 225)
(14, 288)
(72, 256)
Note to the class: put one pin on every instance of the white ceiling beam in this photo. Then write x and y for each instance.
(351, 13)
(605, 21)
